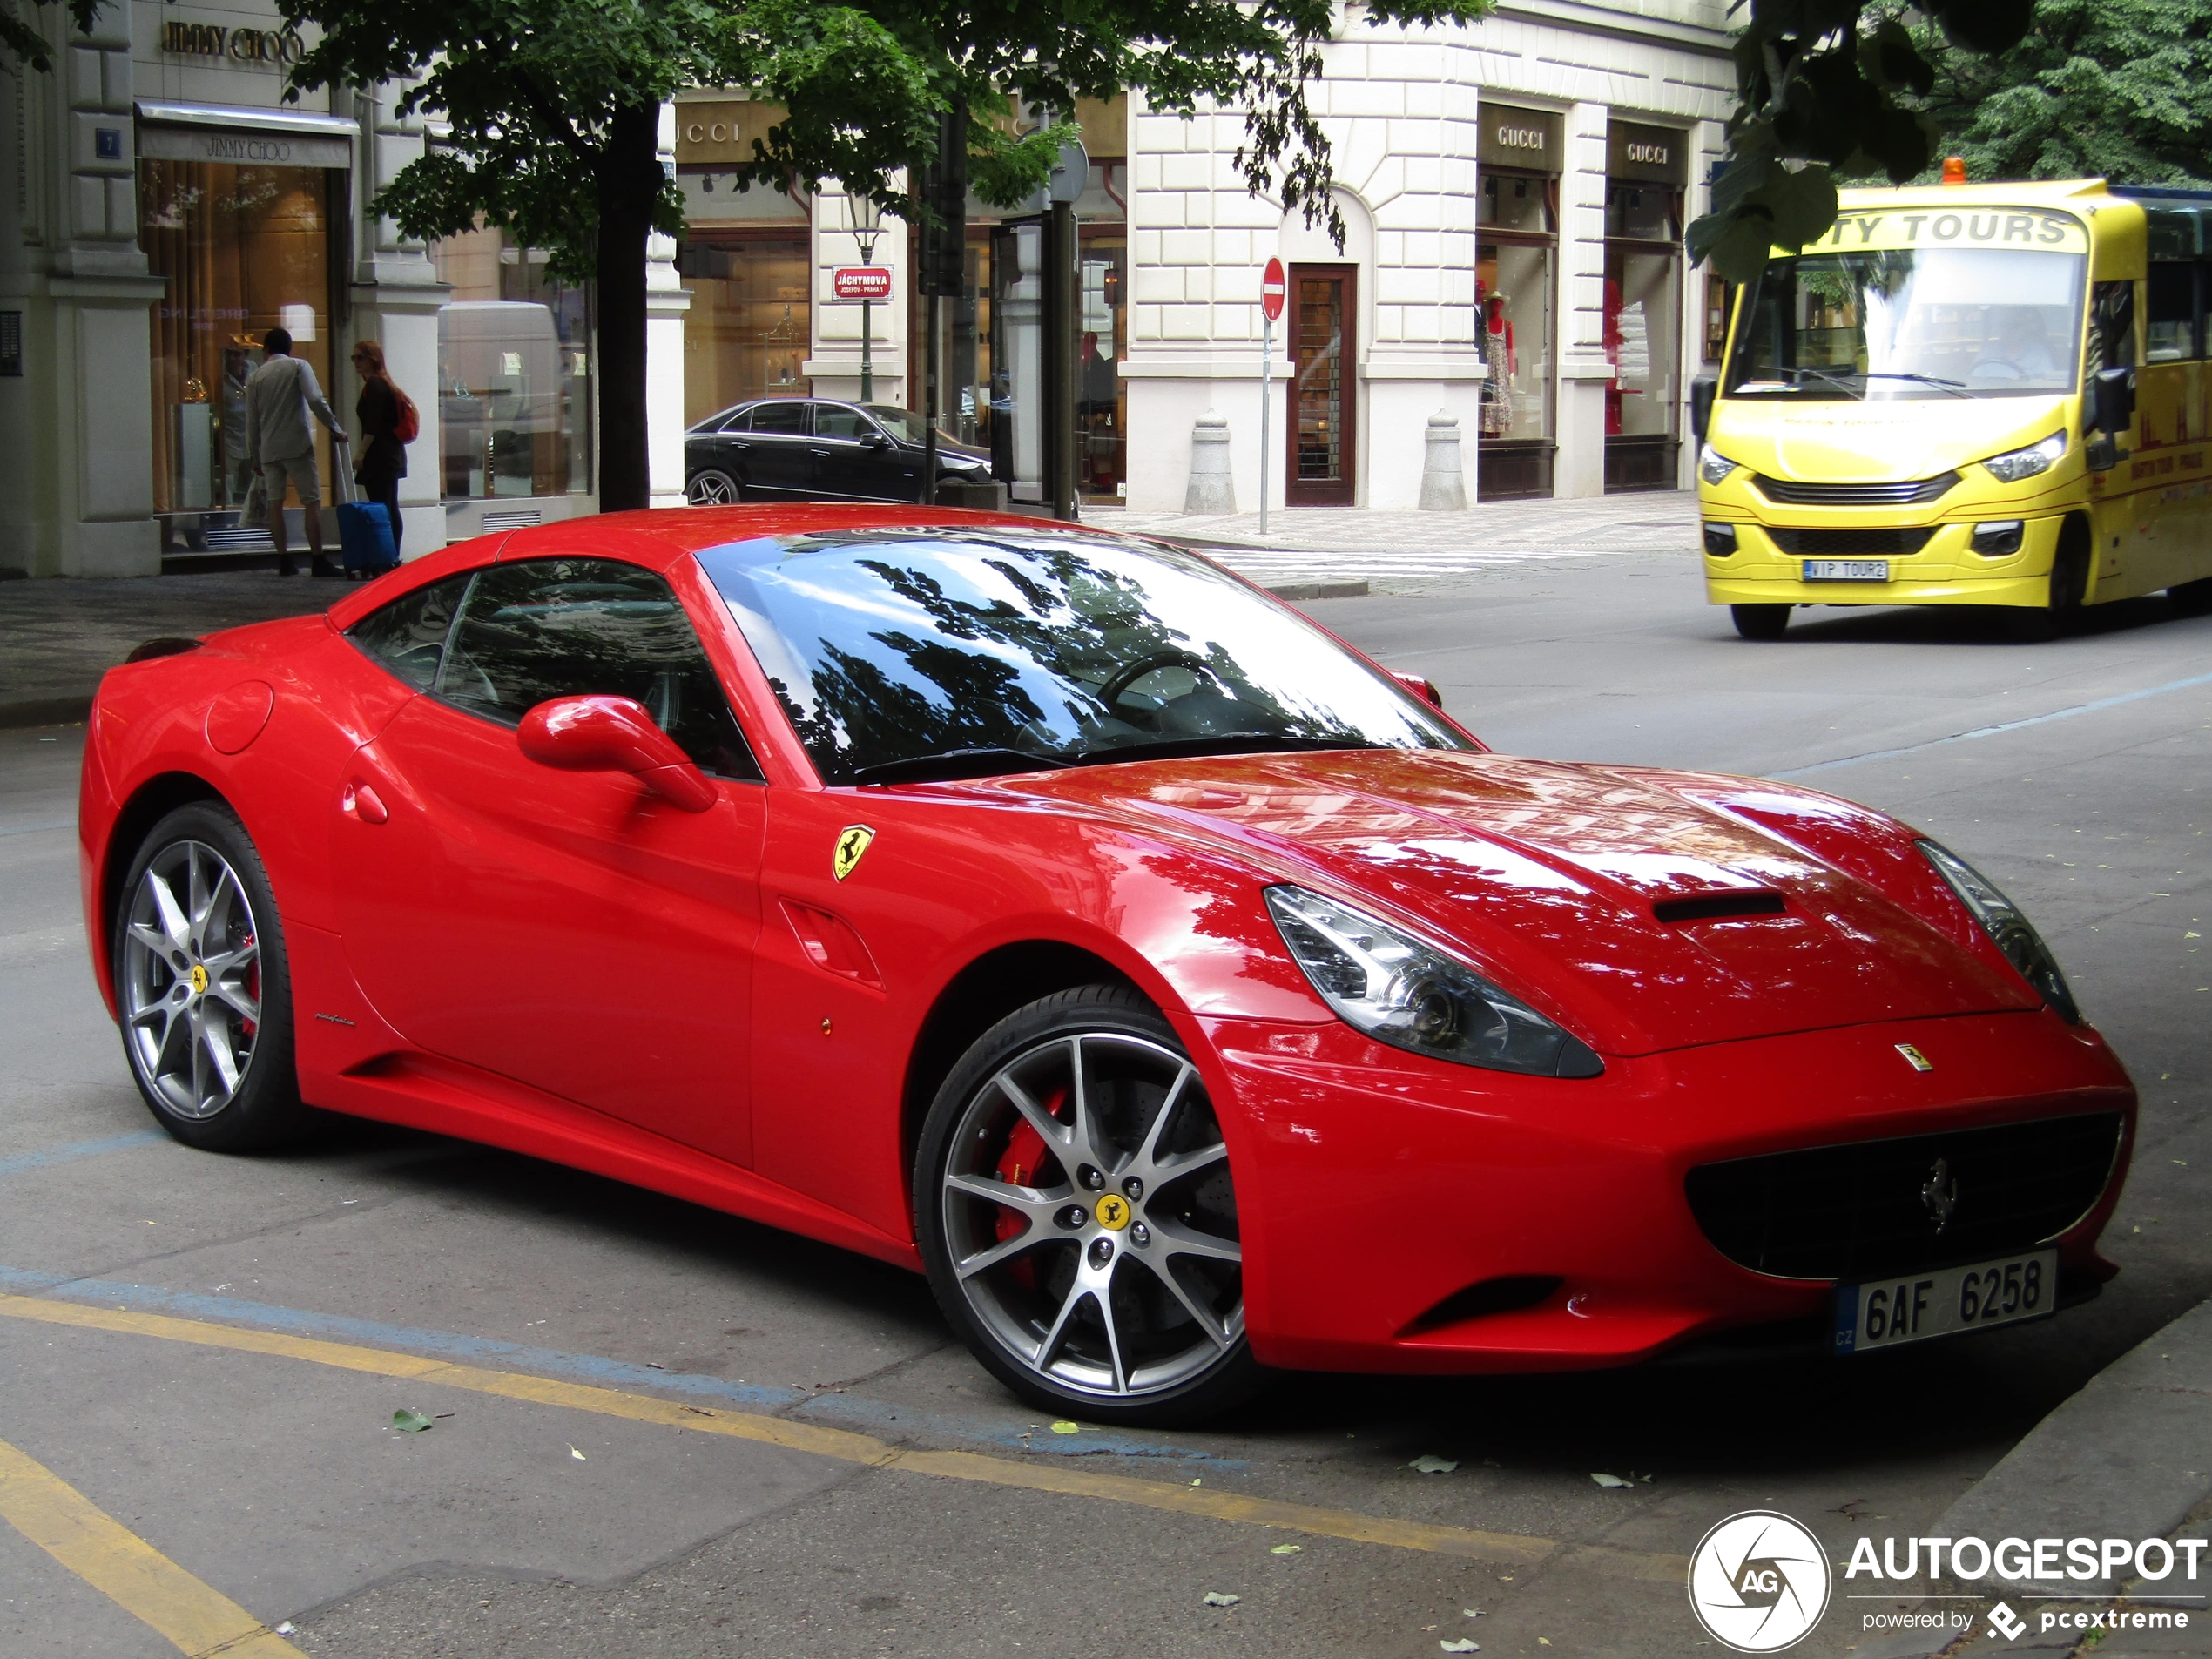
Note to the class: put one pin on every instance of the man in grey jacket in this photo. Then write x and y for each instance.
(282, 445)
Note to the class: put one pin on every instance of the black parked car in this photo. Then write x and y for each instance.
(815, 448)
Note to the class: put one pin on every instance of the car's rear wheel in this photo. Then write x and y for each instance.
(713, 487)
(203, 985)
(1078, 1219)
(1760, 621)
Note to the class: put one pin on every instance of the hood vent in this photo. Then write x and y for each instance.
(1712, 907)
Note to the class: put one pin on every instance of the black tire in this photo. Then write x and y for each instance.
(2068, 591)
(1152, 1362)
(711, 487)
(1760, 621)
(200, 1007)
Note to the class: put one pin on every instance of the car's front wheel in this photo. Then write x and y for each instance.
(1078, 1217)
(203, 986)
(713, 487)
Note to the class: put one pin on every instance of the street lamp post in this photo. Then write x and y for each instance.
(864, 221)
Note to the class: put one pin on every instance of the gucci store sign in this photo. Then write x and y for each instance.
(1528, 139)
(1653, 155)
(243, 148)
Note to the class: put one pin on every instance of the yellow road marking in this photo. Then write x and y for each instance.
(123, 1567)
(850, 1447)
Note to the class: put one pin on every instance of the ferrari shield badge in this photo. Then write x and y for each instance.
(1914, 1058)
(852, 842)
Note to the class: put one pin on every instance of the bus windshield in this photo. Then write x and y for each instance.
(1912, 323)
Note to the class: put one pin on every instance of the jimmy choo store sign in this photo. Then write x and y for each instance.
(266, 48)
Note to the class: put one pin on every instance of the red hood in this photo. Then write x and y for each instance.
(1546, 874)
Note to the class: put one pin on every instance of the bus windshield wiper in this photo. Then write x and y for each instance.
(1836, 381)
(1956, 389)
(1841, 381)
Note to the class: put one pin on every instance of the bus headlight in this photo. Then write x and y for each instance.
(1714, 467)
(2011, 468)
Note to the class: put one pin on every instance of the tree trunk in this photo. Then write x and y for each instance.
(630, 180)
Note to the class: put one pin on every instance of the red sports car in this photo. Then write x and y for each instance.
(1053, 913)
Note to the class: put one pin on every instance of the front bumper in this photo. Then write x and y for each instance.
(1947, 570)
(1373, 1185)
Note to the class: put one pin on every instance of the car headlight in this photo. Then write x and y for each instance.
(2011, 468)
(2008, 929)
(1408, 994)
(1714, 467)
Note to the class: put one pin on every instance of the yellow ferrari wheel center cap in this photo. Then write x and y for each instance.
(1113, 1213)
(198, 979)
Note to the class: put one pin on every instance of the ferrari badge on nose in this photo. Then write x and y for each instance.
(852, 842)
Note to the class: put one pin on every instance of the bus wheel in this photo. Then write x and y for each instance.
(1760, 621)
(2031, 624)
(2192, 598)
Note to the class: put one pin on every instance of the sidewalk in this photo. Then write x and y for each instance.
(57, 636)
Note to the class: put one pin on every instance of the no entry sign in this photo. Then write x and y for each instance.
(1272, 287)
(861, 281)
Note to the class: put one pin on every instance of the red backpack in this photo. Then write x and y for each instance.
(409, 426)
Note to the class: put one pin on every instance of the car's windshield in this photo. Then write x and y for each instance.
(902, 424)
(893, 649)
(1912, 323)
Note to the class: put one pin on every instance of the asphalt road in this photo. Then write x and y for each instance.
(747, 1444)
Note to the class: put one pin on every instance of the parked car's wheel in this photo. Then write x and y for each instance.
(713, 487)
(1760, 621)
(203, 986)
(1078, 1219)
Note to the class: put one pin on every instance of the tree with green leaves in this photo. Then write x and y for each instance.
(19, 41)
(549, 109)
(2112, 89)
(1828, 89)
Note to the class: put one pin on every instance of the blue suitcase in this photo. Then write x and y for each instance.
(364, 529)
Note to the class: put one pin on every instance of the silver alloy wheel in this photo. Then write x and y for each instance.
(1111, 1266)
(711, 490)
(192, 979)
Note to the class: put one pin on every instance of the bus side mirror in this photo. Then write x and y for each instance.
(2112, 402)
(1703, 388)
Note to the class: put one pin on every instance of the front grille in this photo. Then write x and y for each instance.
(1912, 491)
(1873, 544)
(1857, 1211)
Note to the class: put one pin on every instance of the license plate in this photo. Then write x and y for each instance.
(1882, 1313)
(1847, 570)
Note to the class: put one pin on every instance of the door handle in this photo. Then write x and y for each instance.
(364, 803)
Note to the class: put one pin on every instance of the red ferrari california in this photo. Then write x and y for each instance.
(1053, 913)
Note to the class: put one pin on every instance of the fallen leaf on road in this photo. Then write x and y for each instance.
(1461, 1646)
(1286, 1550)
(1221, 1598)
(1427, 1464)
(1608, 1480)
(577, 1455)
(1067, 1428)
(409, 1422)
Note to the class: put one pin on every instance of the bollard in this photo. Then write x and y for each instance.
(1443, 487)
(1213, 489)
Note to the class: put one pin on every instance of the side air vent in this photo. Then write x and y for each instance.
(1509, 1294)
(1712, 907)
(168, 645)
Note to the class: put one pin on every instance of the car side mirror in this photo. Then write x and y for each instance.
(614, 734)
(876, 441)
(1422, 687)
(1703, 388)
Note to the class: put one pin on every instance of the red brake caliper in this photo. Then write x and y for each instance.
(1018, 1165)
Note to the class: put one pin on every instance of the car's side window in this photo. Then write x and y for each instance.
(741, 422)
(545, 628)
(835, 420)
(787, 418)
(408, 636)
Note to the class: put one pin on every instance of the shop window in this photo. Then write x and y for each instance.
(750, 329)
(1101, 341)
(1643, 212)
(1515, 283)
(514, 373)
(1511, 202)
(245, 250)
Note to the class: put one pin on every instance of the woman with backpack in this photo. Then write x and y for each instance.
(389, 423)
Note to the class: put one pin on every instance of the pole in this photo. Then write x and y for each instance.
(867, 362)
(929, 401)
(1060, 359)
(1266, 399)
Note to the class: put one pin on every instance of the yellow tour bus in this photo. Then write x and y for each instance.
(1982, 395)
